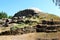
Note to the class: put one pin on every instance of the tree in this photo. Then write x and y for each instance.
(9, 17)
(3, 15)
(57, 2)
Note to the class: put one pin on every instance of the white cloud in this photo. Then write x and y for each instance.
(35, 9)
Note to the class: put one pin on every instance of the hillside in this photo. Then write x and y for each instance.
(36, 13)
(28, 18)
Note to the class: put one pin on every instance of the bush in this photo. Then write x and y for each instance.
(13, 28)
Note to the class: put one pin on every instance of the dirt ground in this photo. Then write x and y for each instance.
(32, 36)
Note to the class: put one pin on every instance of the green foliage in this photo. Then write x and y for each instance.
(3, 15)
(9, 17)
(57, 2)
(13, 28)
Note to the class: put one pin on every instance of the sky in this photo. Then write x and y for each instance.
(13, 6)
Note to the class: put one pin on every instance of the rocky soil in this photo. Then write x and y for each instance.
(32, 36)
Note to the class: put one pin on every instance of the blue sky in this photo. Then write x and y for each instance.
(13, 6)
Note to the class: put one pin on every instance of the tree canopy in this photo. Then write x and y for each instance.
(3, 15)
(57, 2)
(9, 17)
